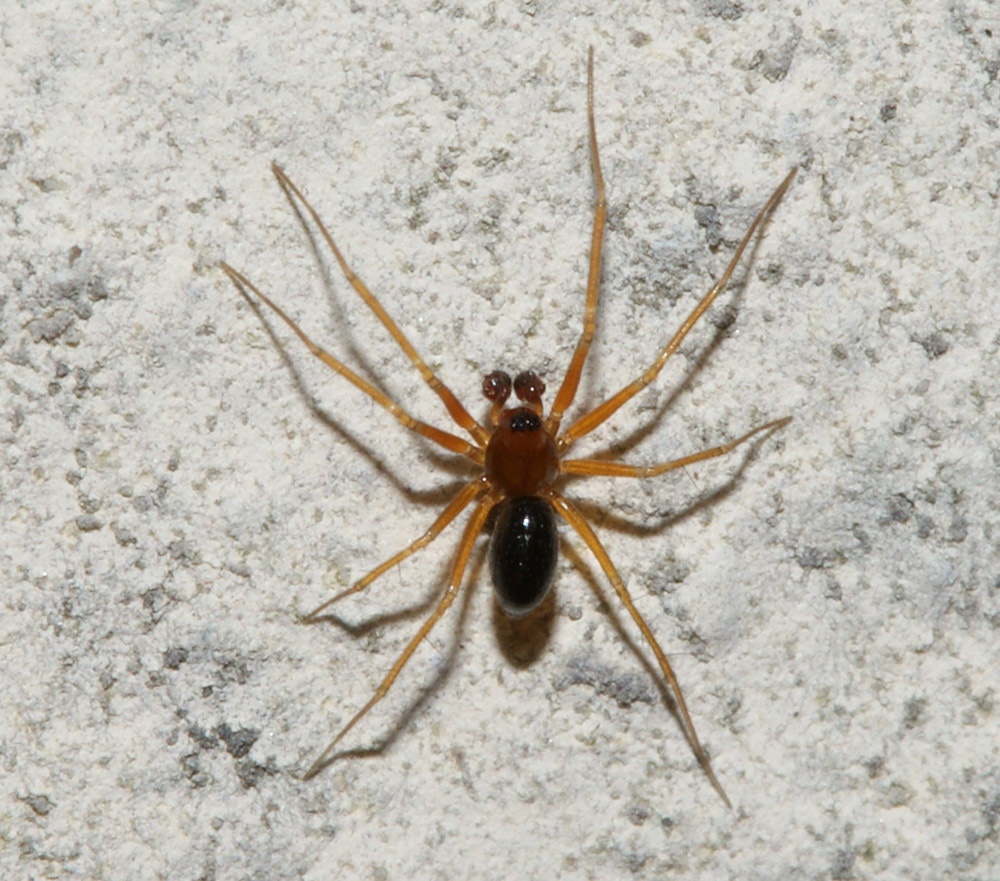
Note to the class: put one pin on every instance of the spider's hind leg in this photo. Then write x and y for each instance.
(472, 529)
(572, 515)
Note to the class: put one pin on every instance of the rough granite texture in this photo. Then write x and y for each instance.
(177, 484)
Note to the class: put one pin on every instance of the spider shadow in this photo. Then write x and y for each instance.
(521, 641)
(456, 466)
(321, 256)
(617, 523)
(737, 289)
(598, 513)
(443, 671)
(437, 460)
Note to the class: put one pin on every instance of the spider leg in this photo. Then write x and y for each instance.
(455, 507)
(442, 438)
(455, 409)
(572, 515)
(595, 468)
(567, 391)
(472, 528)
(587, 423)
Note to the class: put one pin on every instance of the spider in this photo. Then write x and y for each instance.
(520, 455)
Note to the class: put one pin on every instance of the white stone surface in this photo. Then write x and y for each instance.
(175, 487)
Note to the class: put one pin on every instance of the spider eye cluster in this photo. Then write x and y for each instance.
(525, 420)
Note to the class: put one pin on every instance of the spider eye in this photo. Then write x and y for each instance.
(525, 420)
(496, 386)
(529, 387)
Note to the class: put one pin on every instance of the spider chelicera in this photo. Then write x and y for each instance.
(520, 454)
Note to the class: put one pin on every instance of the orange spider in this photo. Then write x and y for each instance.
(521, 455)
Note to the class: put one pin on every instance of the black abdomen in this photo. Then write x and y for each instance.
(523, 553)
